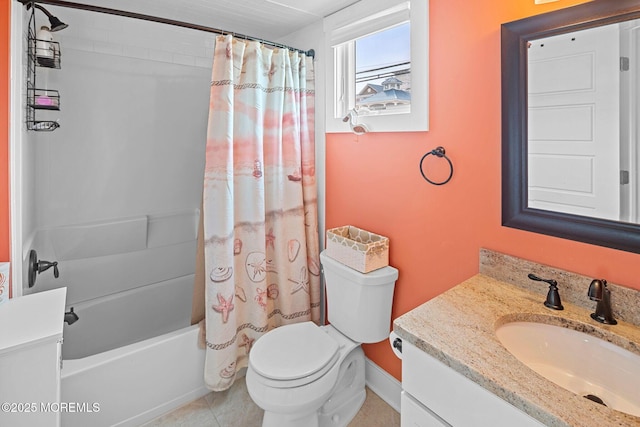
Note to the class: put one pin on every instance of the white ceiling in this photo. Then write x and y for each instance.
(267, 19)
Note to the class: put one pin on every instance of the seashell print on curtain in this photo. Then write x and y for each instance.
(260, 201)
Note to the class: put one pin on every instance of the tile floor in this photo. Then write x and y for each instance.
(234, 408)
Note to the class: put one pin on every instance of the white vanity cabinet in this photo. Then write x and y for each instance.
(434, 395)
(30, 357)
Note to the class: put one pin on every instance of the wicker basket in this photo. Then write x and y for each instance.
(356, 248)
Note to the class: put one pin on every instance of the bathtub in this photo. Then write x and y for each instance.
(132, 353)
(135, 383)
(127, 317)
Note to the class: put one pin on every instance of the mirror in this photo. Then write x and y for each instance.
(551, 172)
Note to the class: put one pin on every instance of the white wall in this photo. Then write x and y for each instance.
(114, 193)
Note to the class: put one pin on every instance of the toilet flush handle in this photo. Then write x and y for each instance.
(397, 344)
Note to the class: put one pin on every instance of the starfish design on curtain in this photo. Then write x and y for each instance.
(302, 283)
(247, 343)
(270, 239)
(224, 307)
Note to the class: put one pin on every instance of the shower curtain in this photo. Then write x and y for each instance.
(260, 201)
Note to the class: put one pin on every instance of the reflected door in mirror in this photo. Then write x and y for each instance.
(574, 125)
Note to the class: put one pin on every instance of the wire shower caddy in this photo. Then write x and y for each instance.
(38, 98)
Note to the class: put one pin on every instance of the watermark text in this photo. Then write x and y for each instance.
(26, 407)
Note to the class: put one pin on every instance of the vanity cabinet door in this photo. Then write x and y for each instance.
(413, 414)
(453, 397)
(30, 353)
(30, 390)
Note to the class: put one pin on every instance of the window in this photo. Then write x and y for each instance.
(379, 66)
(383, 72)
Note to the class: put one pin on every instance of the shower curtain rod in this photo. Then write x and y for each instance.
(173, 22)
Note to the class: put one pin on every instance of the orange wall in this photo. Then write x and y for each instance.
(5, 12)
(435, 233)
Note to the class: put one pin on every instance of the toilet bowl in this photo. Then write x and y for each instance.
(319, 383)
(314, 376)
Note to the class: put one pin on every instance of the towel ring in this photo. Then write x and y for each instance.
(439, 152)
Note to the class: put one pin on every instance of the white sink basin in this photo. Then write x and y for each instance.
(585, 365)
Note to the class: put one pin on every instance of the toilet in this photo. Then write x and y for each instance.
(313, 376)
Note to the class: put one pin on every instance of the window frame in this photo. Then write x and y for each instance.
(358, 20)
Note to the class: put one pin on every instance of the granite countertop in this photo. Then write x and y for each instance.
(458, 328)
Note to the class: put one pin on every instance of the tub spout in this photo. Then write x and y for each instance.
(70, 317)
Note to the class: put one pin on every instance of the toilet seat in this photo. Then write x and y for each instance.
(294, 355)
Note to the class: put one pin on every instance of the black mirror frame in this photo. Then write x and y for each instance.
(515, 212)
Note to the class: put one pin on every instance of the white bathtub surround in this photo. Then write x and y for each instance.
(262, 264)
(138, 287)
(114, 194)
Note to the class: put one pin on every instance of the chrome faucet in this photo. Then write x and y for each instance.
(598, 291)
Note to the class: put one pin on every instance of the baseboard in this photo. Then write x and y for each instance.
(384, 385)
(173, 405)
(164, 409)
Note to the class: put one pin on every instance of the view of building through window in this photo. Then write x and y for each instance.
(383, 72)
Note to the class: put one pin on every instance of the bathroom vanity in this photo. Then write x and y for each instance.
(30, 358)
(456, 372)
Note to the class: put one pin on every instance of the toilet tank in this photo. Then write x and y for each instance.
(359, 304)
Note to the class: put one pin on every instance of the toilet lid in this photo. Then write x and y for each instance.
(293, 351)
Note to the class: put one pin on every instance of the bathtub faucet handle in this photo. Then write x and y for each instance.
(45, 265)
(37, 266)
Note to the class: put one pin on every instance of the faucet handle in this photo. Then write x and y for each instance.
(538, 279)
(553, 296)
(45, 265)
